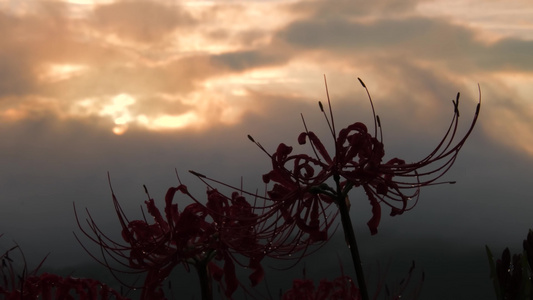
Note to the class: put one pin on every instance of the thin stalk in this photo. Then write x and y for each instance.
(205, 281)
(352, 242)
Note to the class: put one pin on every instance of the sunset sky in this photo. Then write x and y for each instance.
(141, 88)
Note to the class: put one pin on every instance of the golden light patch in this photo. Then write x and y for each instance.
(119, 130)
(59, 72)
(12, 115)
(119, 112)
(174, 122)
(118, 108)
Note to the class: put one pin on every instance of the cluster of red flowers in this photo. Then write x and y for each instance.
(341, 288)
(216, 236)
(50, 286)
(209, 237)
(213, 237)
(300, 180)
(46, 286)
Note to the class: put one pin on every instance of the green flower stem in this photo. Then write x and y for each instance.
(205, 281)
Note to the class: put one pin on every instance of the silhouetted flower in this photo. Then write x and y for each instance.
(341, 288)
(219, 232)
(26, 285)
(293, 191)
(300, 180)
(282, 230)
(509, 272)
(50, 286)
(512, 274)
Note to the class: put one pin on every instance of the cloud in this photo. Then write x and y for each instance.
(345, 9)
(15, 75)
(249, 60)
(414, 65)
(213, 62)
(508, 118)
(141, 21)
(410, 36)
(406, 38)
(509, 54)
(16, 60)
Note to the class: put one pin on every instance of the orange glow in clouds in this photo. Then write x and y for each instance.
(190, 65)
(60, 72)
(118, 111)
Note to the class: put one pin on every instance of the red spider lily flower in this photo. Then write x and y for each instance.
(50, 286)
(344, 288)
(282, 231)
(236, 227)
(219, 232)
(341, 288)
(300, 179)
(46, 286)
(298, 202)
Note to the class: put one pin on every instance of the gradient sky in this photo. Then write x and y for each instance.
(140, 88)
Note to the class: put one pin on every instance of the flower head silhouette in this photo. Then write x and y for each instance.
(29, 284)
(305, 185)
(341, 288)
(282, 231)
(212, 237)
(302, 180)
